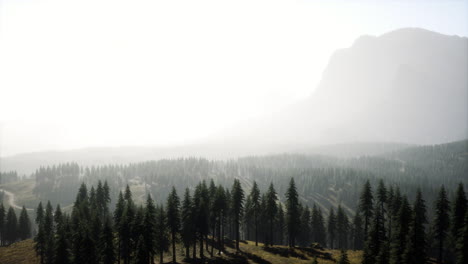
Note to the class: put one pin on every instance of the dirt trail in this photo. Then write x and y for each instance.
(10, 198)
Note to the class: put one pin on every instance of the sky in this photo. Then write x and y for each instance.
(76, 74)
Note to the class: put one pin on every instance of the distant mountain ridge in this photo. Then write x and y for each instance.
(408, 86)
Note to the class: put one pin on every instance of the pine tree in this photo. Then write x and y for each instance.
(416, 242)
(270, 211)
(292, 208)
(237, 208)
(458, 212)
(319, 232)
(442, 221)
(162, 232)
(400, 231)
(255, 200)
(306, 231)
(331, 228)
(187, 232)
(375, 243)
(342, 227)
(107, 243)
(358, 232)
(173, 218)
(49, 234)
(24, 225)
(280, 224)
(462, 243)
(366, 208)
(149, 227)
(2, 224)
(11, 227)
(40, 239)
(62, 254)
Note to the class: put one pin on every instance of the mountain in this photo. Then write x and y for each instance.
(408, 86)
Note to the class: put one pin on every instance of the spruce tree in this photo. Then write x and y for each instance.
(293, 214)
(400, 232)
(331, 228)
(162, 232)
(173, 219)
(149, 234)
(237, 208)
(280, 225)
(270, 212)
(366, 207)
(107, 243)
(255, 200)
(342, 227)
(24, 225)
(62, 249)
(304, 236)
(441, 221)
(462, 243)
(358, 232)
(187, 232)
(49, 234)
(2, 224)
(416, 241)
(11, 227)
(458, 212)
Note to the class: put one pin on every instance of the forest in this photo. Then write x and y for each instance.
(405, 206)
(387, 226)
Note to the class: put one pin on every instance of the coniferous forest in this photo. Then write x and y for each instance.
(387, 226)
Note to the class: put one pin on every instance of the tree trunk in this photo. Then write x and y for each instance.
(187, 252)
(194, 249)
(161, 257)
(256, 231)
(201, 247)
(173, 248)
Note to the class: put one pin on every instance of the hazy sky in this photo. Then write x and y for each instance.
(85, 73)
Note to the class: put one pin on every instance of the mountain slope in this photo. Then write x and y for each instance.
(409, 86)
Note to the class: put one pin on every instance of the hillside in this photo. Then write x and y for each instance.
(23, 253)
(408, 85)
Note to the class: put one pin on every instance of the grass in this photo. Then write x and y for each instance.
(23, 191)
(23, 253)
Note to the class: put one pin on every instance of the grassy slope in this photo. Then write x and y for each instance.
(23, 253)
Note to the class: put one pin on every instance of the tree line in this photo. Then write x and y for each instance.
(387, 227)
(12, 228)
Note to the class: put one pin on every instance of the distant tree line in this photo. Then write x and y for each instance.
(387, 226)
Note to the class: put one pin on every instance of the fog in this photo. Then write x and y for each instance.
(78, 74)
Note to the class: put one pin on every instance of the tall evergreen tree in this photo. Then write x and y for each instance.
(358, 232)
(173, 219)
(342, 227)
(366, 207)
(331, 228)
(11, 227)
(292, 208)
(458, 212)
(319, 233)
(255, 200)
(237, 208)
(162, 232)
(149, 227)
(375, 243)
(280, 225)
(441, 221)
(416, 241)
(187, 230)
(270, 212)
(107, 243)
(49, 234)
(462, 243)
(2, 224)
(24, 225)
(400, 231)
